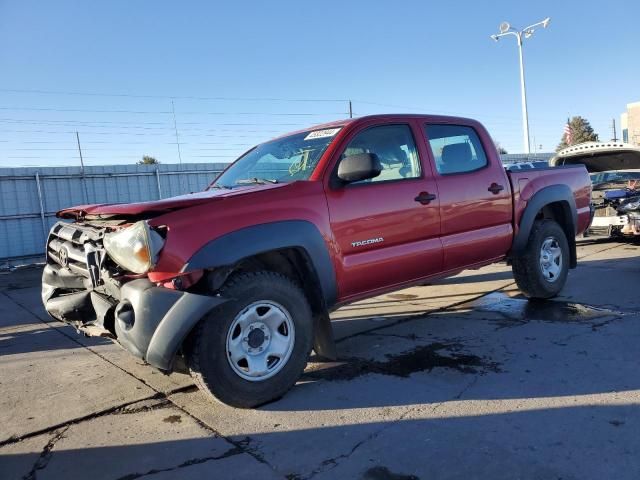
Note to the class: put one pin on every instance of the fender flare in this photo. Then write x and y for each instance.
(246, 242)
(552, 194)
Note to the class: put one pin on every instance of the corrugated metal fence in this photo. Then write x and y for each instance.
(29, 197)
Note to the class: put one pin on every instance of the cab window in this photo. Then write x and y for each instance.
(455, 148)
(395, 148)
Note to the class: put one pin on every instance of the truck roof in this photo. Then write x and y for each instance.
(382, 116)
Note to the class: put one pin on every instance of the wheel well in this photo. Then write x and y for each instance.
(560, 212)
(293, 263)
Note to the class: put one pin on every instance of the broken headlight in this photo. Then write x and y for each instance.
(134, 248)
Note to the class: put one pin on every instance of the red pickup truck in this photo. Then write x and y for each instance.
(239, 280)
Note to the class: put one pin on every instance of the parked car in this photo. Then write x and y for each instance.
(239, 280)
(526, 165)
(615, 174)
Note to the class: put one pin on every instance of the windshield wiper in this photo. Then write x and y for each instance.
(217, 185)
(255, 180)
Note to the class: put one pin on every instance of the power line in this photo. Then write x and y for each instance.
(162, 112)
(71, 123)
(176, 97)
(80, 110)
(82, 124)
(115, 134)
(52, 121)
(233, 149)
(113, 157)
(65, 142)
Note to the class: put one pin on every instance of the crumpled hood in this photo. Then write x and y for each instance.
(599, 157)
(156, 207)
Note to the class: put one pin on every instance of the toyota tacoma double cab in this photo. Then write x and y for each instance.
(236, 282)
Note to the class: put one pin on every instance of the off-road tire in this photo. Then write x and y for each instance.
(207, 350)
(526, 267)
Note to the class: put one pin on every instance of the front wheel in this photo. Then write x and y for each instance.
(254, 348)
(541, 271)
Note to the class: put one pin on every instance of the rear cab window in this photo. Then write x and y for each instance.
(455, 148)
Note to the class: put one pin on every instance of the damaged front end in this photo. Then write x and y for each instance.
(85, 286)
(616, 211)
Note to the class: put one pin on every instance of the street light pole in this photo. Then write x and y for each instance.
(523, 92)
(506, 29)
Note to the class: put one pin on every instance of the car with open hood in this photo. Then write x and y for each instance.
(614, 169)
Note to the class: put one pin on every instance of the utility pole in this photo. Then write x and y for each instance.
(613, 127)
(175, 126)
(350, 110)
(84, 180)
(535, 152)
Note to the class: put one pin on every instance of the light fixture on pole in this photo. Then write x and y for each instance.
(506, 29)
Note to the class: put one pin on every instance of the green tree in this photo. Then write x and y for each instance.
(501, 149)
(581, 131)
(148, 160)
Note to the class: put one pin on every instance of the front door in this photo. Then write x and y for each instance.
(386, 228)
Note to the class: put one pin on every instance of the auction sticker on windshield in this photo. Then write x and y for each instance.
(329, 132)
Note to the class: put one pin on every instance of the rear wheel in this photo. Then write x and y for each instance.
(254, 348)
(541, 271)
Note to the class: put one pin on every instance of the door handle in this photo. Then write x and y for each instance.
(495, 188)
(425, 198)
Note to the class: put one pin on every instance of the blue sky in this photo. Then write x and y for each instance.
(237, 69)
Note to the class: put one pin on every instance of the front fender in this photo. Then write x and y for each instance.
(229, 249)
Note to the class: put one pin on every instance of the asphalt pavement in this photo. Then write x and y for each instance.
(461, 379)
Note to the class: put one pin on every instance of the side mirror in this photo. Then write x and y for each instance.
(361, 166)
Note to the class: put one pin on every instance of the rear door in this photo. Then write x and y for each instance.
(387, 228)
(475, 195)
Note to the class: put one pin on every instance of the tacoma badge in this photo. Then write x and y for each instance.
(362, 243)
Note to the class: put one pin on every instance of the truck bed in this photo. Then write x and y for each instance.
(525, 183)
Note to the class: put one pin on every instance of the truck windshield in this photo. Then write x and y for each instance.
(286, 159)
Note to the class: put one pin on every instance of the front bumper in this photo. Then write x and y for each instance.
(626, 224)
(150, 322)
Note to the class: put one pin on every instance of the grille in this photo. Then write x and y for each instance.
(68, 243)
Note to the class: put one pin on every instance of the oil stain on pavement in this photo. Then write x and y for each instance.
(422, 358)
(383, 473)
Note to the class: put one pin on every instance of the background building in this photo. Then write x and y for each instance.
(630, 124)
